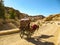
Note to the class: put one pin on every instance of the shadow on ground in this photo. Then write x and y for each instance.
(37, 40)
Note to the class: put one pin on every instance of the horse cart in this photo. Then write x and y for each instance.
(25, 28)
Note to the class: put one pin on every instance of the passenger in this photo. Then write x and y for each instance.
(34, 27)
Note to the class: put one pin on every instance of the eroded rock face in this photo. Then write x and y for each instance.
(55, 17)
(37, 17)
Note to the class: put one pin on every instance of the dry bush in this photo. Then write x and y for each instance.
(15, 22)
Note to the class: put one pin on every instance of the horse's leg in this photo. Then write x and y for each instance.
(28, 35)
(22, 34)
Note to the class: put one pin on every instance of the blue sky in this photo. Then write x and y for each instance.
(35, 7)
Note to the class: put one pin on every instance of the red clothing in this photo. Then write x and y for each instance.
(34, 27)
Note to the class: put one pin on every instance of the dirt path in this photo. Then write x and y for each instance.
(46, 35)
(9, 31)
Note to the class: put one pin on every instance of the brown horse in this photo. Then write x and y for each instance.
(28, 32)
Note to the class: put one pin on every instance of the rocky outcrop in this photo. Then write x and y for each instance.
(55, 17)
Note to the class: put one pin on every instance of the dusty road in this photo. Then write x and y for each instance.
(9, 31)
(46, 35)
